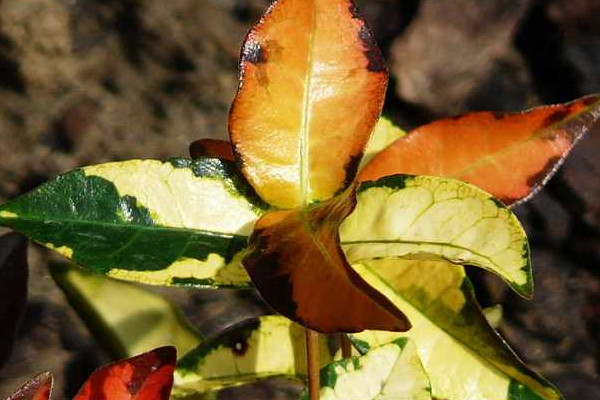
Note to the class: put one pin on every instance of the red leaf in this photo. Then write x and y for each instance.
(148, 376)
(509, 155)
(297, 265)
(38, 388)
(212, 148)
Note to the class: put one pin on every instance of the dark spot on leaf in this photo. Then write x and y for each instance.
(545, 173)
(556, 116)
(254, 53)
(240, 347)
(376, 63)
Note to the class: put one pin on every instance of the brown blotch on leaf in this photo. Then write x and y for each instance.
(254, 53)
(556, 116)
(240, 347)
(545, 173)
(376, 62)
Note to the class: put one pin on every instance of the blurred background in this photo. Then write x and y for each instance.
(87, 81)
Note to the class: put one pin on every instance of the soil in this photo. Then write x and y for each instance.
(86, 81)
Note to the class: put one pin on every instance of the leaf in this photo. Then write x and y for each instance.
(179, 223)
(392, 371)
(13, 286)
(148, 376)
(271, 346)
(38, 388)
(509, 155)
(294, 259)
(212, 148)
(437, 218)
(146, 321)
(302, 68)
(385, 133)
(462, 354)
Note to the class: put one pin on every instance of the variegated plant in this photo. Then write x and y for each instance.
(342, 223)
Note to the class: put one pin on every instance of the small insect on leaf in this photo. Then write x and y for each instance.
(509, 155)
(296, 262)
(38, 388)
(13, 286)
(148, 376)
(312, 84)
(212, 148)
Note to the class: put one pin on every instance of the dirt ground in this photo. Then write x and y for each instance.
(86, 81)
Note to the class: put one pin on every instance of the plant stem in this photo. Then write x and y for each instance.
(346, 346)
(312, 357)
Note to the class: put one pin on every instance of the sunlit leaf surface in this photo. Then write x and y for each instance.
(509, 155)
(463, 356)
(437, 218)
(180, 223)
(311, 79)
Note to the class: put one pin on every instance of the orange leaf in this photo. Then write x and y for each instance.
(211, 148)
(296, 263)
(509, 155)
(148, 376)
(38, 388)
(312, 83)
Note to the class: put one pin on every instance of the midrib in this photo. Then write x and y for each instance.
(305, 123)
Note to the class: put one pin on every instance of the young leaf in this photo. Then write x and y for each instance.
(302, 68)
(181, 222)
(38, 388)
(462, 354)
(145, 322)
(13, 286)
(270, 346)
(437, 218)
(385, 134)
(294, 259)
(391, 371)
(212, 148)
(148, 376)
(509, 155)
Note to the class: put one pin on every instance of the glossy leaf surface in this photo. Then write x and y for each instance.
(462, 354)
(38, 388)
(148, 376)
(13, 287)
(437, 218)
(181, 222)
(295, 260)
(509, 155)
(144, 322)
(391, 371)
(268, 347)
(311, 78)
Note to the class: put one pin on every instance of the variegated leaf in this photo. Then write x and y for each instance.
(144, 322)
(180, 222)
(390, 372)
(437, 218)
(385, 134)
(462, 354)
(270, 346)
(510, 155)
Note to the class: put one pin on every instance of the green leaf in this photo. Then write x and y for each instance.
(271, 346)
(419, 217)
(143, 322)
(463, 355)
(180, 223)
(391, 371)
(385, 133)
